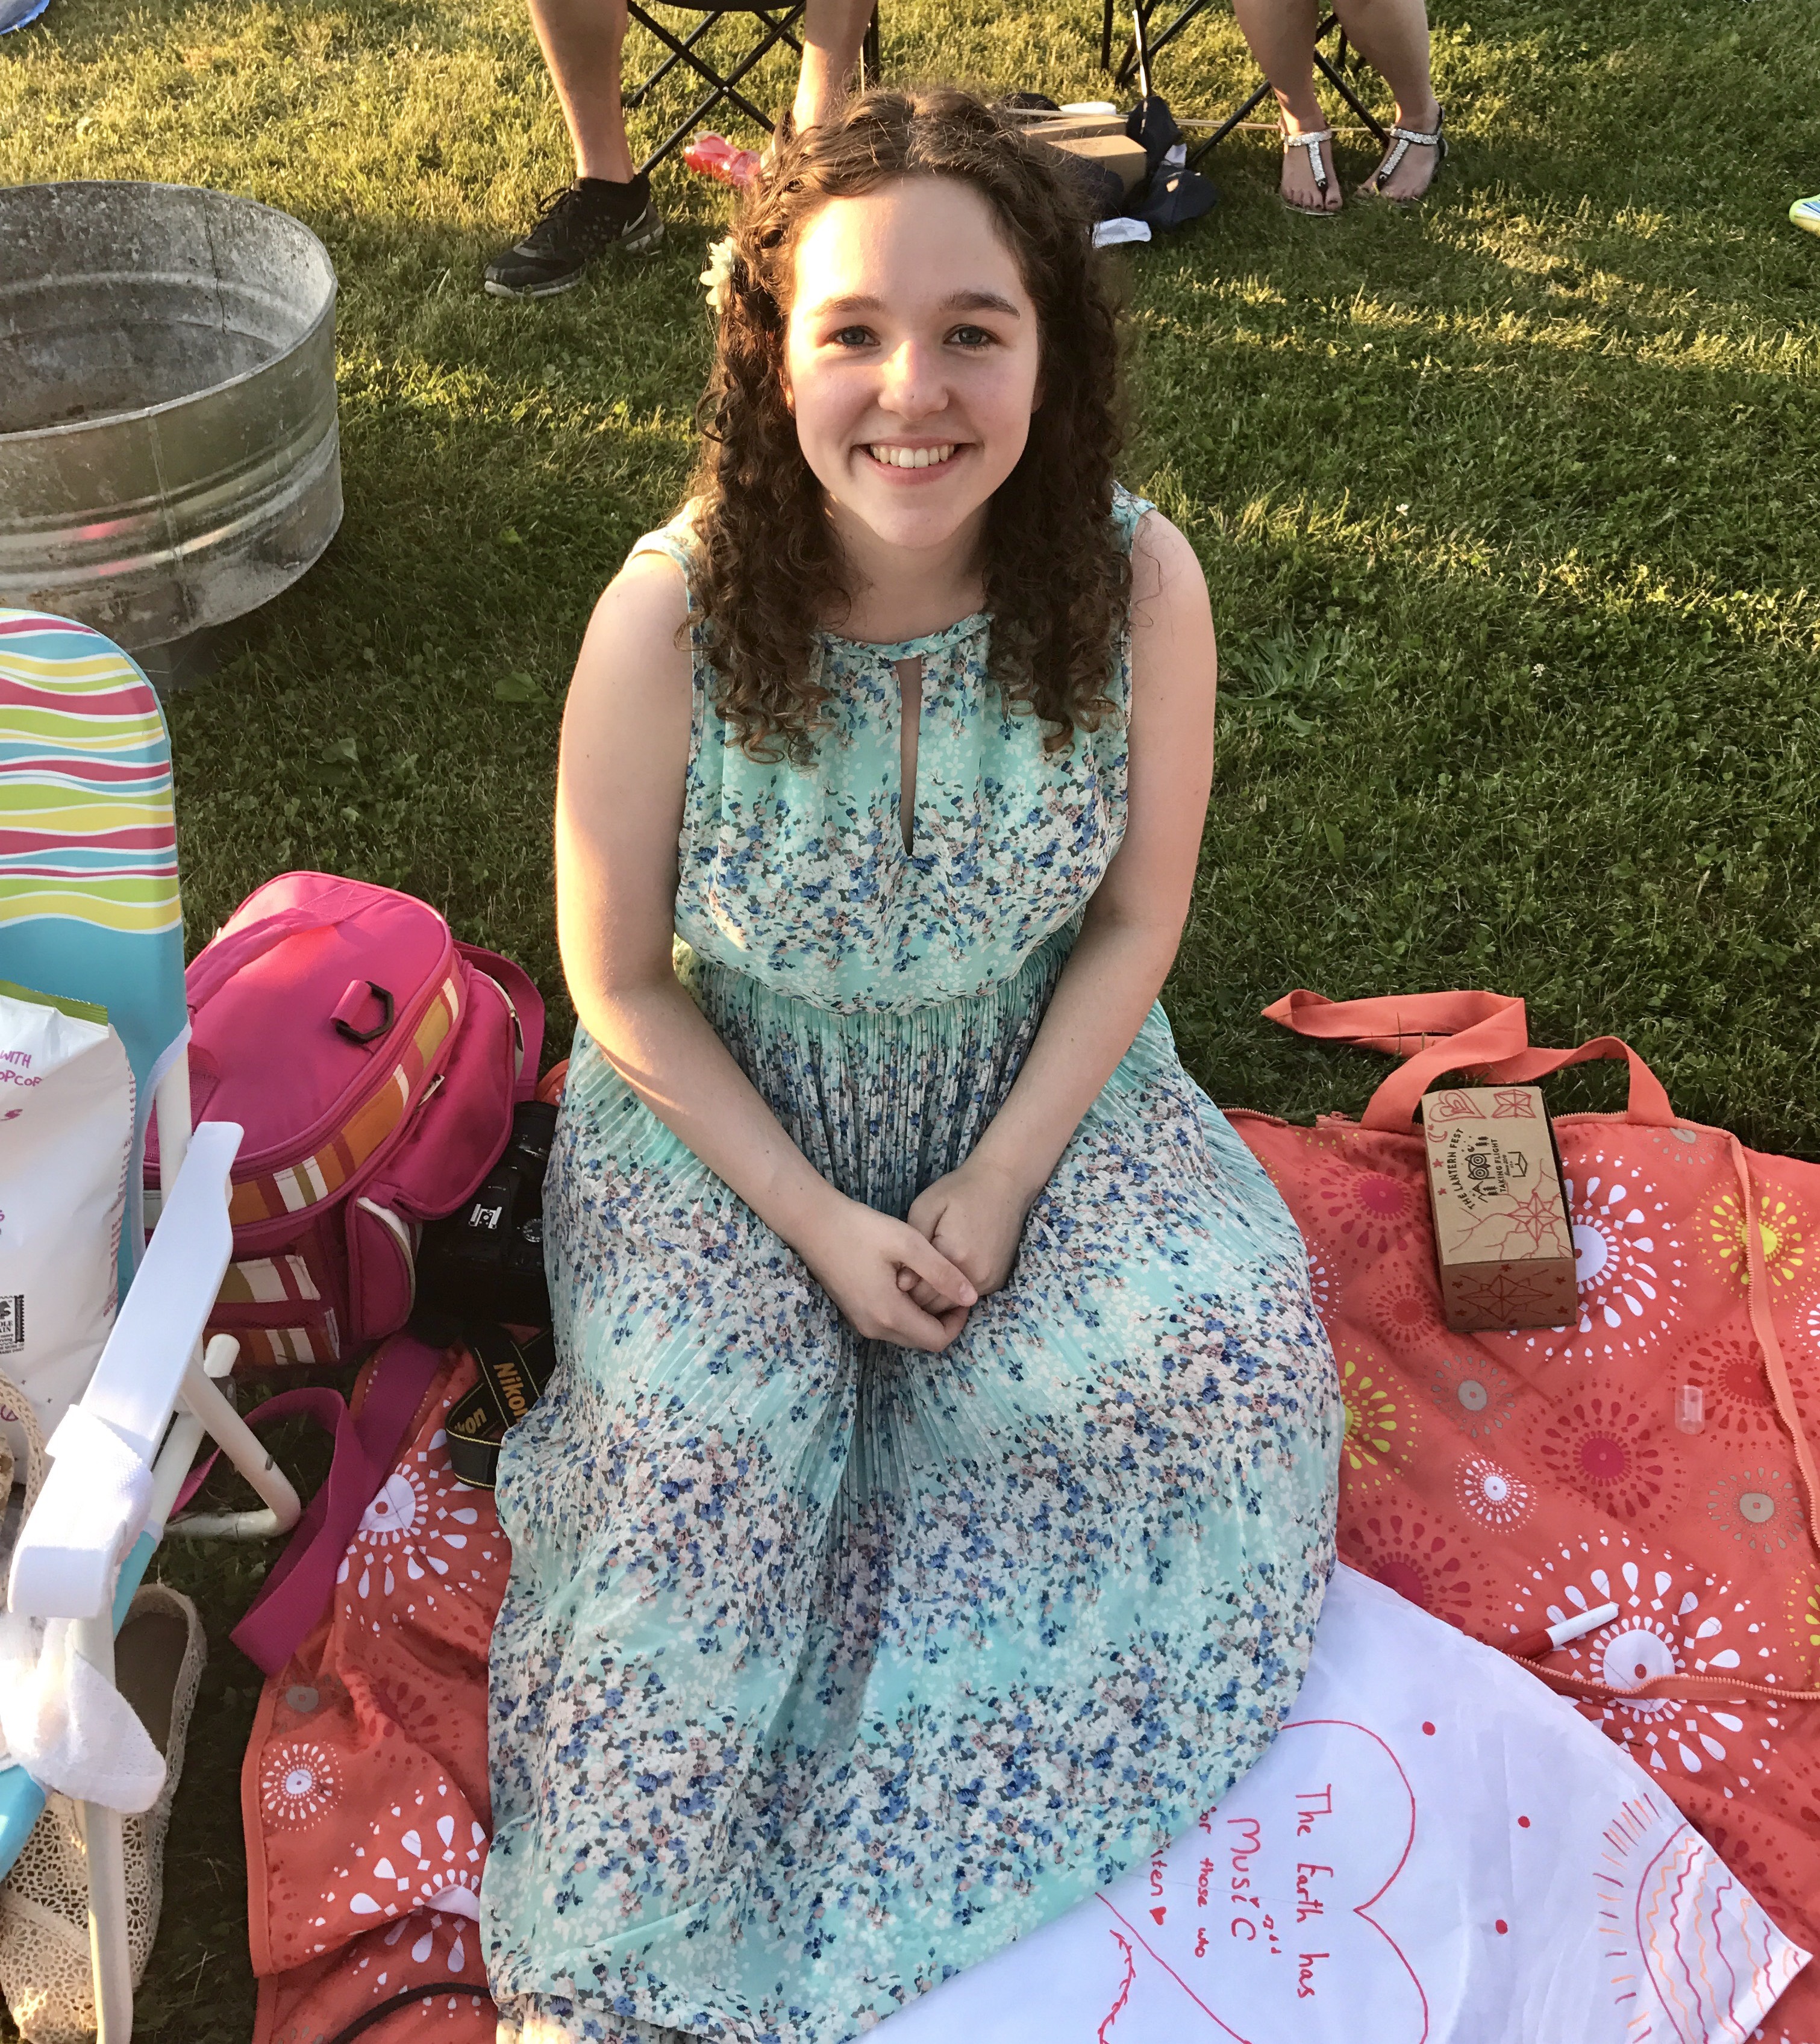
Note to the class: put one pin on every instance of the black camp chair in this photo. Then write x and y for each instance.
(771, 25)
(1147, 42)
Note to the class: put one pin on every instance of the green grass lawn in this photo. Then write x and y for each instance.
(1511, 509)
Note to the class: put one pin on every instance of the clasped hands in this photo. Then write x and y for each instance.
(914, 1282)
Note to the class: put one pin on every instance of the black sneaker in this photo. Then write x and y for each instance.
(574, 226)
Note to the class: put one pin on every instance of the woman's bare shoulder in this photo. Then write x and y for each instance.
(1164, 568)
(637, 640)
(626, 724)
(1172, 619)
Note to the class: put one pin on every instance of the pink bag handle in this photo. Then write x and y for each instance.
(521, 991)
(218, 963)
(1438, 1033)
(367, 1444)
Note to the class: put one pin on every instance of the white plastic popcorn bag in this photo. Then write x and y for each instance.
(66, 1141)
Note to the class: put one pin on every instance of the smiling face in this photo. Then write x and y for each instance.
(911, 359)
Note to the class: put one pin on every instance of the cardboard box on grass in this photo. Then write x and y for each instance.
(1117, 153)
(1502, 1240)
(1099, 137)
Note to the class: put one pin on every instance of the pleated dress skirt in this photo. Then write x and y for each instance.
(828, 1668)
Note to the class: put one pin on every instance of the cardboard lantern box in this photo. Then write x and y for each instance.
(1096, 138)
(1502, 1236)
(1116, 153)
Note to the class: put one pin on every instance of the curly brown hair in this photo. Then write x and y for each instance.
(768, 569)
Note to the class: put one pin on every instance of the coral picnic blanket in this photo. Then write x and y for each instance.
(1433, 1839)
(364, 1789)
(1650, 1465)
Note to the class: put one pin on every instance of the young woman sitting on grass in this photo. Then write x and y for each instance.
(931, 1511)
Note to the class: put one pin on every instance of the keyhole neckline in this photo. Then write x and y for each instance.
(911, 671)
(891, 651)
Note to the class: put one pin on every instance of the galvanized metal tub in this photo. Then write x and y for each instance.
(169, 457)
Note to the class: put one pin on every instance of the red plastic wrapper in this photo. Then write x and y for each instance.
(714, 156)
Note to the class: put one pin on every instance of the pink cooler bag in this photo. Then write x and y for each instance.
(373, 1062)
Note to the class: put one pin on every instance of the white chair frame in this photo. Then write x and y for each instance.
(160, 1392)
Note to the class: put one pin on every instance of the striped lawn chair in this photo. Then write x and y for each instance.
(89, 909)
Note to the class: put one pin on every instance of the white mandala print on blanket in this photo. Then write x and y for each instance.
(413, 1860)
(1673, 1619)
(420, 1532)
(1495, 1497)
(1322, 1287)
(1628, 1266)
(422, 1947)
(298, 1784)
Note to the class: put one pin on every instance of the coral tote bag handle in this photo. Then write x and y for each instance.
(1438, 1033)
(1406, 1024)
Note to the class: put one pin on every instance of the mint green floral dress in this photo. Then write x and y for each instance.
(827, 1667)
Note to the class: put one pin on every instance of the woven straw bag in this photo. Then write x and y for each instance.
(45, 1969)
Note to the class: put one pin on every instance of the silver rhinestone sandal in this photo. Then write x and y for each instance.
(1310, 139)
(1402, 140)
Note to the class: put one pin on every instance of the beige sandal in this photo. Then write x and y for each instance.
(44, 1972)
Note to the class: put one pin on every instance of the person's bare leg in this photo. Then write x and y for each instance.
(582, 40)
(1393, 37)
(1281, 35)
(832, 33)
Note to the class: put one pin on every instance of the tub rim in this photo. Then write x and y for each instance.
(207, 390)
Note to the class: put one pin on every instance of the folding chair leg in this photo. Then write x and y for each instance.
(1227, 126)
(1141, 45)
(871, 63)
(110, 1961)
(725, 89)
(1358, 106)
(640, 93)
(243, 1448)
(1334, 74)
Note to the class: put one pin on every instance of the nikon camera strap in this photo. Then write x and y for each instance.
(512, 1380)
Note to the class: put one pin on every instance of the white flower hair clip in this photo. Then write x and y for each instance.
(717, 279)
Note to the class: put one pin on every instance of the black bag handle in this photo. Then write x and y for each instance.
(345, 1027)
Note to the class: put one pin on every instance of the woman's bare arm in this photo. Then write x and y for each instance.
(619, 810)
(1132, 925)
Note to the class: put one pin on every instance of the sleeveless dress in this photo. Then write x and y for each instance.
(828, 1668)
